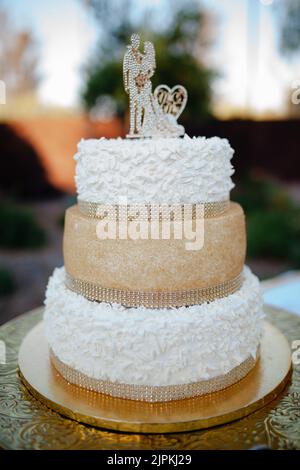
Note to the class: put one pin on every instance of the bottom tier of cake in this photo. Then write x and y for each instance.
(153, 355)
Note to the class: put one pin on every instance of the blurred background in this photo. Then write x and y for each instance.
(60, 80)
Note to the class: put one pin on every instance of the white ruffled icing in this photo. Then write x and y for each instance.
(153, 347)
(187, 170)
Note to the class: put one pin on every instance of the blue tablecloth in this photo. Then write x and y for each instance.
(283, 292)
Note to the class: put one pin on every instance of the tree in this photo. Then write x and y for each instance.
(18, 58)
(180, 47)
(290, 21)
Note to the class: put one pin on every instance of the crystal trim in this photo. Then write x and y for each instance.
(153, 299)
(150, 212)
(154, 393)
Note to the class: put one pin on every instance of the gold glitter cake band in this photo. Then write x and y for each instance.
(154, 393)
(154, 299)
(151, 212)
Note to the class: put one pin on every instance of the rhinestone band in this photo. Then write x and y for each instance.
(154, 393)
(150, 212)
(154, 299)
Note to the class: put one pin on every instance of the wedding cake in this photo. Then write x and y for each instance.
(154, 302)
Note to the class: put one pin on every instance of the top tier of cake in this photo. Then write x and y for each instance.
(188, 170)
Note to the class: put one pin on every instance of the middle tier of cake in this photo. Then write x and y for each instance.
(100, 267)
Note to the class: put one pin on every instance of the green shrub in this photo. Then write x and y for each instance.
(258, 194)
(269, 233)
(175, 48)
(61, 220)
(273, 220)
(18, 229)
(71, 201)
(7, 283)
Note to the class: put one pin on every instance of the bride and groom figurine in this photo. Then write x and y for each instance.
(151, 114)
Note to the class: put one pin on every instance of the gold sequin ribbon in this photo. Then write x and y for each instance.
(150, 212)
(153, 299)
(154, 393)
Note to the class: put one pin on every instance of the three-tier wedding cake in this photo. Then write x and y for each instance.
(154, 302)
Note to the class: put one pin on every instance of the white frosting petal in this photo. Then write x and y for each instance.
(187, 170)
(153, 347)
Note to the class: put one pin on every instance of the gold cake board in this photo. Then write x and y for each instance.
(262, 385)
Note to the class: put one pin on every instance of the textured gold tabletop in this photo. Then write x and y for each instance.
(27, 424)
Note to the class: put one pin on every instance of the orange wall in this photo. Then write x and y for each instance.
(55, 140)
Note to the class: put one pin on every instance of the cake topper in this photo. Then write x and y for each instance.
(151, 114)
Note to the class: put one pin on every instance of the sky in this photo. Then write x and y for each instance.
(66, 34)
(254, 77)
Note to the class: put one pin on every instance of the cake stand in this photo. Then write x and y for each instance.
(261, 409)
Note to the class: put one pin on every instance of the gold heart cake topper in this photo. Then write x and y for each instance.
(151, 114)
(171, 100)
